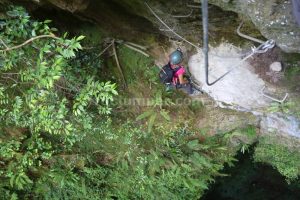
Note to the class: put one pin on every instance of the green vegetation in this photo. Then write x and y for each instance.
(63, 138)
(156, 105)
(292, 73)
(290, 107)
(282, 157)
(139, 69)
(149, 166)
(46, 105)
(241, 139)
(66, 133)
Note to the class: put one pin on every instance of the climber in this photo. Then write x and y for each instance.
(173, 73)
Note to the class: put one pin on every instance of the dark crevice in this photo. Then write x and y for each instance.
(251, 181)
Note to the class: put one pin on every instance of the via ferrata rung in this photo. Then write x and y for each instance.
(183, 16)
(273, 98)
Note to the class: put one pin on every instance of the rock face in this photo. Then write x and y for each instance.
(274, 19)
(240, 88)
(278, 123)
(130, 20)
(70, 5)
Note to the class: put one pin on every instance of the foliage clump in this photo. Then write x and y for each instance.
(44, 98)
(282, 157)
(142, 165)
(58, 140)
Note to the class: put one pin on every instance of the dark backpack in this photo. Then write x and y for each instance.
(166, 73)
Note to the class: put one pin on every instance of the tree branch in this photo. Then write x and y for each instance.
(29, 41)
(16, 81)
(118, 65)
(135, 49)
(10, 79)
(105, 49)
(137, 45)
(10, 73)
(3, 43)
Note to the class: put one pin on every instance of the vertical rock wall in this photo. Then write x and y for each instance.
(274, 19)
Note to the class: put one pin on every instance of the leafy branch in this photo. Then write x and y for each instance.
(156, 107)
(27, 42)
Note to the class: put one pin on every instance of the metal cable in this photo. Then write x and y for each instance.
(161, 21)
(260, 49)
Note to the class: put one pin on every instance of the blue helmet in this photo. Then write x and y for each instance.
(176, 57)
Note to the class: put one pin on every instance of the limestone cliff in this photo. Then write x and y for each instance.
(273, 18)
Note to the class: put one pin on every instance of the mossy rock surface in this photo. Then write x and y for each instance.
(274, 19)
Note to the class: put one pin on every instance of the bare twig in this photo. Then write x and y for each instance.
(65, 89)
(61, 87)
(88, 48)
(3, 43)
(16, 81)
(137, 50)
(4, 77)
(137, 45)
(118, 64)
(105, 49)
(29, 41)
(10, 73)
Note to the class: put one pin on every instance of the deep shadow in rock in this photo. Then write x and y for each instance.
(252, 181)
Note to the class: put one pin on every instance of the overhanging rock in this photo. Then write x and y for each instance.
(273, 18)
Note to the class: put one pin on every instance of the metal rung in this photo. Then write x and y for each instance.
(272, 98)
(183, 16)
(238, 31)
(198, 6)
(193, 6)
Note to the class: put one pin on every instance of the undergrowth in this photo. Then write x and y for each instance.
(66, 132)
(282, 157)
(62, 137)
